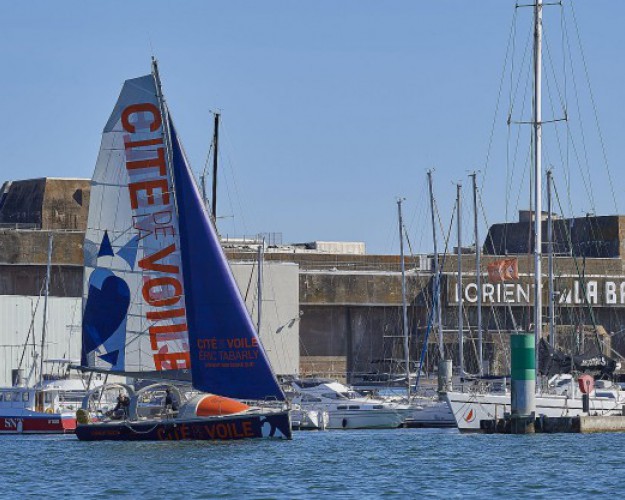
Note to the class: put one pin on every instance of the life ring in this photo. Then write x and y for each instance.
(49, 410)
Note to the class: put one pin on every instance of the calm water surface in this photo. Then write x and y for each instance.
(406, 463)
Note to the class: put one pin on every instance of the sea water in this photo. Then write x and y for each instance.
(402, 463)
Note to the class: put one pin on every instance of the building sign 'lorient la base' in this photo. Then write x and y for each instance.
(600, 292)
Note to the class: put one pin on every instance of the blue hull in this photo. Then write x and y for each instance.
(274, 425)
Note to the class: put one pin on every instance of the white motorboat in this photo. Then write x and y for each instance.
(344, 407)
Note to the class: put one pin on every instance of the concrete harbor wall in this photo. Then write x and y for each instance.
(337, 314)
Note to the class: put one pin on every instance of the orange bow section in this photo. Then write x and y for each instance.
(211, 406)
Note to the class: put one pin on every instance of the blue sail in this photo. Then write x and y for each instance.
(227, 357)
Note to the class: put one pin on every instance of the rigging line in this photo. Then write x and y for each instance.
(489, 236)
(580, 275)
(446, 250)
(549, 63)
(528, 86)
(587, 178)
(511, 37)
(235, 184)
(31, 328)
(594, 107)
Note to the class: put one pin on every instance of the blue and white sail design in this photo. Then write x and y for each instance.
(227, 357)
(159, 297)
(134, 318)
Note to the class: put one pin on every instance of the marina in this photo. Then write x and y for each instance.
(149, 331)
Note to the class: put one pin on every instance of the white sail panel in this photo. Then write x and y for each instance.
(134, 315)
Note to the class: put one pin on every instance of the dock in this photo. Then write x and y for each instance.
(586, 424)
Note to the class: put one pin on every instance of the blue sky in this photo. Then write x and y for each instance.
(331, 109)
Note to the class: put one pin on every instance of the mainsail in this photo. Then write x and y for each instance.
(159, 297)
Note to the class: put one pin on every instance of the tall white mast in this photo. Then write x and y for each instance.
(538, 302)
(459, 289)
(552, 329)
(261, 255)
(403, 298)
(438, 317)
(478, 278)
(44, 329)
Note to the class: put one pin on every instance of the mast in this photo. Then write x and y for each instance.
(478, 278)
(45, 307)
(437, 277)
(261, 249)
(459, 284)
(403, 297)
(215, 157)
(538, 300)
(552, 330)
(166, 131)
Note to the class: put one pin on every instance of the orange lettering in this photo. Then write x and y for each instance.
(150, 262)
(170, 360)
(167, 314)
(138, 108)
(148, 187)
(247, 429)
(140, 144)
(159, 162)
(159, 301)
(163, 333)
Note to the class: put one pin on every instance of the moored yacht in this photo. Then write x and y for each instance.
(345, 408)
(560, 398)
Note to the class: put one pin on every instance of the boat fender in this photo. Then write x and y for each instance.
(82, 416)
(344, 423)
(49, 410)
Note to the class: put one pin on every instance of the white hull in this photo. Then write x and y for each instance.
(364, 419)
(436, 414)
(469, 408)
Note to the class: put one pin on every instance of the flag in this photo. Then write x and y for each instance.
(503, 270)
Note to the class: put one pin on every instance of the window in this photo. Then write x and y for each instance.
(49, 397)
(354, 407)
(25, 396)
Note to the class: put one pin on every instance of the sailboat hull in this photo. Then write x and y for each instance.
(228, 428)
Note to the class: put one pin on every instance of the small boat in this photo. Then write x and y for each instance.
(345, 408)
(160, 302)
(49, 407)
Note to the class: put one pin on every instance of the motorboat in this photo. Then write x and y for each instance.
(345, 408)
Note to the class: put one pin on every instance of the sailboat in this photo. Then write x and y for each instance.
(160, 302)
(561, 396)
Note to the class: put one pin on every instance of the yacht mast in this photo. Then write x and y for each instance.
(403, 298)
(261, 255)
(45, 307)
(437, 277)
(459, 288)
(552, 329)
(215, 158)
(478, 278)
(538, 303)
